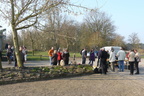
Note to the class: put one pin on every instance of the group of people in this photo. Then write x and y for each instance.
(58, 56)
(106, 58)
(133, 59)
(92, 56)
(10, 53)
(102, 58)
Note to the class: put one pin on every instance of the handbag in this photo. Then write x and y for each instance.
(62, 63)
(138, 59)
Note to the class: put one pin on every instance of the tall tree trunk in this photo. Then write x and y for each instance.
(0, 64)
(15, 38)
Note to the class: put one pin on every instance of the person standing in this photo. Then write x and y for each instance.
(131, 56)
(9, 54)
(24, 50)
(121, 57)
(6, 45)
(99, 57)
(84, 55)
(59, 58)
(137, 60)
(50, 54)
(21, 57)
(66, 56)
(54, 58)
(92, 57)
(103, 60)
(112, 59)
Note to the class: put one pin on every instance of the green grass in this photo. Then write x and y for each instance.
(77, 55)
(38, 55)
(43, 55)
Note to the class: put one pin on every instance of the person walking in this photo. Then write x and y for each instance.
(84, 55)
(137, 60)
(50, 54)
(121, 57)
(66, 56)
(131, 56)
(112, 59)
(91, 57)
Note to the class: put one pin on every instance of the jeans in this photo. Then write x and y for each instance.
(91, 62)
(50, 58)
(121, 65)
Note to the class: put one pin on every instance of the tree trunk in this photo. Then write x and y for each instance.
(16, 45)
(15, 36)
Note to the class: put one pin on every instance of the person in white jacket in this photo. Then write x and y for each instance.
(112, 59)
(137, 60)
(121, 57)
(131, 61)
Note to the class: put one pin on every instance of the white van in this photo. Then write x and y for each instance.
(108, 48)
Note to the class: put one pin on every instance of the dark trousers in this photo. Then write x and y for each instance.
(131, 67)
(91, 62)
(54, 63)
(137, 67)
(83, 60)
(66, 61)
(104, 66)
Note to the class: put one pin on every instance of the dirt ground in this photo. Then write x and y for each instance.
(112, 84)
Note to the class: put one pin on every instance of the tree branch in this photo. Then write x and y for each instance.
(44, 8)
(27, 26)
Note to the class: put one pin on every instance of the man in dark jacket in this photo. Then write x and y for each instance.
(103, 60)
(84, 55)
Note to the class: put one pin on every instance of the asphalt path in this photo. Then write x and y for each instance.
(38, 63)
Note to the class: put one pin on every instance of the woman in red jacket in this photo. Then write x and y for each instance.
(59, 58)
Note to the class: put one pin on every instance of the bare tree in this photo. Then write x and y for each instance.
(23, 14)
(134, 40)
(117, 40)
(100, 27)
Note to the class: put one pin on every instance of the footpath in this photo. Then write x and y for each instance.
(113, 84)
(37, 63)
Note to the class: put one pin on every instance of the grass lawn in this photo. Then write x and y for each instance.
(38, 55)
(43, 55)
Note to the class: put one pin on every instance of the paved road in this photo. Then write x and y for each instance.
(112, 84)
(36, 63)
